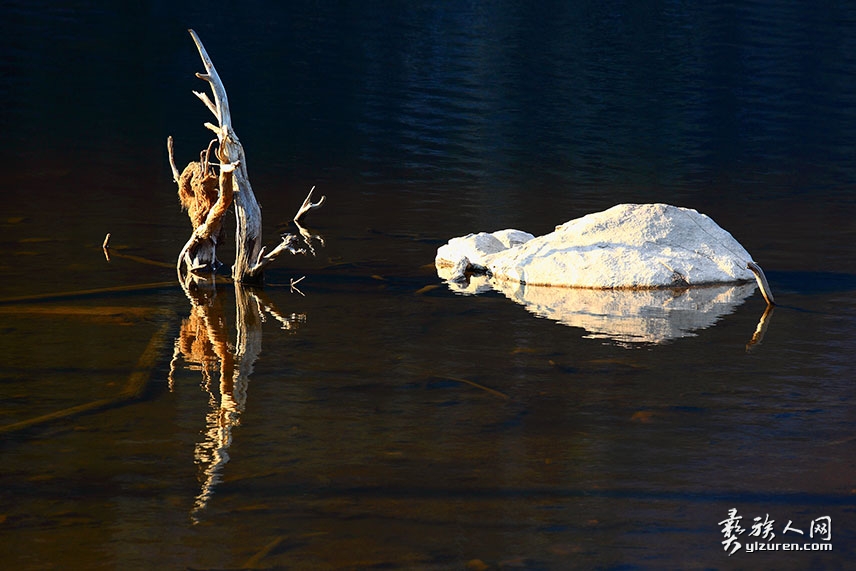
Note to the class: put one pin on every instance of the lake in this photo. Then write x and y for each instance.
(372, 415)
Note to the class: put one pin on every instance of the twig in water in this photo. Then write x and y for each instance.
(494, 392)
(308, 205)
(293, 284)
(106, 246)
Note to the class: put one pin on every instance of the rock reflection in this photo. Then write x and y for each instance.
(203, 345)
(626, 317)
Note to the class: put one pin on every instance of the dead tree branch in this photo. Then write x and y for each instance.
(197, 186)
(308, 205)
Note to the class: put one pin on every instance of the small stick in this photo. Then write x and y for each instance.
(762, 282)
(253, 562)
(106, 247)
(81, 293)
(205, 156)
(169, 147)
(293, 284)
(494, 392)
(309, 205)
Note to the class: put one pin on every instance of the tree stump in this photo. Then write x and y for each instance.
(207, 197)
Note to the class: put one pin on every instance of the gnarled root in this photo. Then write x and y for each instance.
(206, 197)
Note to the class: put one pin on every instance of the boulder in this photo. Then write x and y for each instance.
(470, 252)
(636, 273)
(633, 246)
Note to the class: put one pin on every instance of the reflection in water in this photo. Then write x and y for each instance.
(761, 329)
(644, 316)
(203, 344)
(621, 315)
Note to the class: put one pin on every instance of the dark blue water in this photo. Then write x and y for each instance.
(382, 420)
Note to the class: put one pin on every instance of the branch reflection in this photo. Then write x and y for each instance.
(203, 345)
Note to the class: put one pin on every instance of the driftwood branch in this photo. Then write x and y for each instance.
(204, 97)
(763, 284)
(308, 237)
(308, 205)
(207, 205)
(170, 149)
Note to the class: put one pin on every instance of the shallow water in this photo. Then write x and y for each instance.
(383, 419)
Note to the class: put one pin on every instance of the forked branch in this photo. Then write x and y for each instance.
(308, 205)
(220, 107)
(199, 253)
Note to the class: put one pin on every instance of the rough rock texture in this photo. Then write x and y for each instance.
(626, 273)
(628, 246)
(471, 252)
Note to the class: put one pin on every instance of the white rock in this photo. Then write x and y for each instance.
(511, 238)
(617, 271)
(456, 273)
(476, 248)
(627, 246)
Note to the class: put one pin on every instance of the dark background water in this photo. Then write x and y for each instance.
(364, 440)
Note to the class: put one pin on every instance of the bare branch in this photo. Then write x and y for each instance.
(288, 244)
(169, 148)
(221, 102)
(308, 236)
(762, 282)
(293, 285)
(105, 247)
(308, 205)
(204, 97)
(205, 156)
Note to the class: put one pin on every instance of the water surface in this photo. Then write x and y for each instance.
(383, 419)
